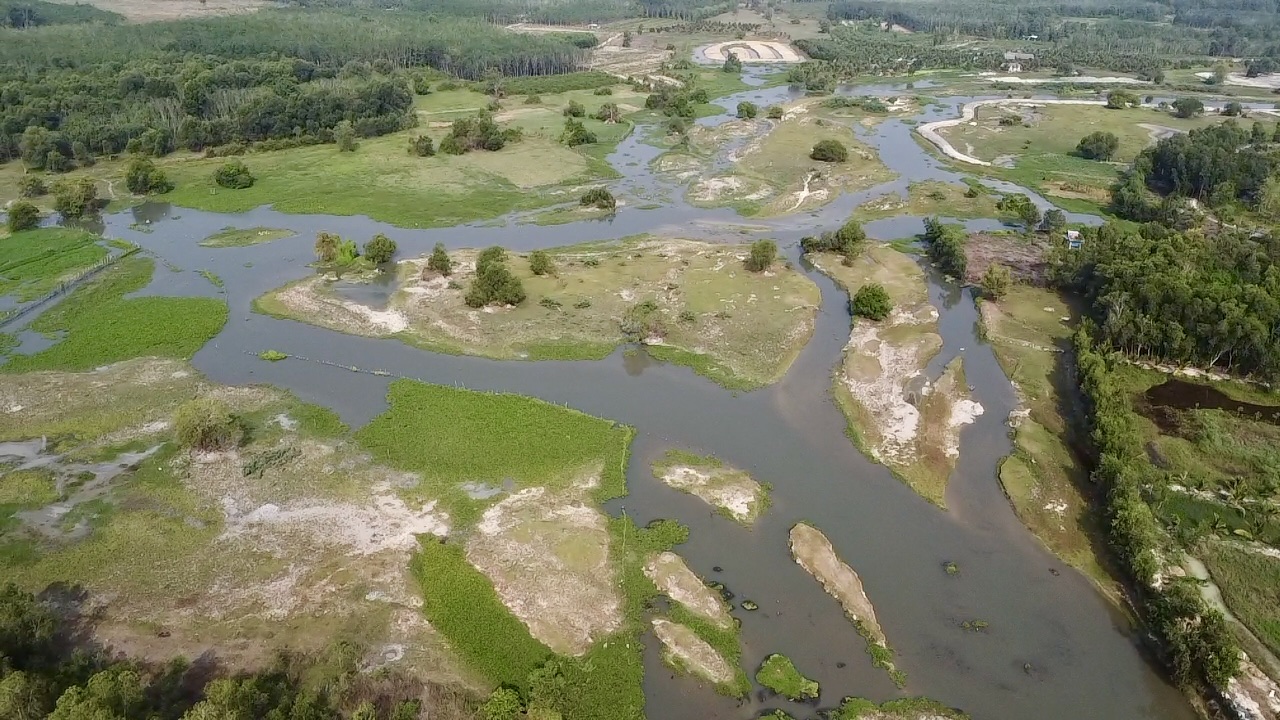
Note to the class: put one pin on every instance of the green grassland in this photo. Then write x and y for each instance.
(933, 198)
(98, 325)
(741, 329)
(780, 675)
(1042, 478)
(235, 237)
(34, 262)
(1248, 581)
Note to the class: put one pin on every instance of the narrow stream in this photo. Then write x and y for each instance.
(1054, 648)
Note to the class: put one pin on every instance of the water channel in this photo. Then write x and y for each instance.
(1054, 649)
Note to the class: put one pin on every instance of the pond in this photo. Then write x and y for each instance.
(1054, 648)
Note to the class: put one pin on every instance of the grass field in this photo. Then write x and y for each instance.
(382, 180)
(1248, 581)
(780, 675)
(98, 325)
(33, 262)
(741, 329)
(233, 237)
(932, 198)
(1042, 478)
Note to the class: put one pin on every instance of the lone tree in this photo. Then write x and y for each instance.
(996, 281)
(380, 249)
(575, 133)
(829, 151)
(608, 113)
(345, 135)
(871, 302)
(731, 63)
(600, 198)
(142, 177)
(422, 146)
(1055, 221)
(540, 263)
(233, 175)
(205, 424)
(30, 186)
(763, 253)
(1098, 145)
(747, 110)
(575, 109)
(494, 283)
(76, 198)
(440, 261)
(327, 245)
(1233, 109)
(774, 112)
(1187, 107)
(849, 241)
(23, 216)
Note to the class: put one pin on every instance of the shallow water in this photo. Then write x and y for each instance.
(1053, 650)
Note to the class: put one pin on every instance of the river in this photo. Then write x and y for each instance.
(1054, 649)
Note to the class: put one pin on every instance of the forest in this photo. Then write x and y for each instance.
(22, 14)
(557, 12)
(44, 672)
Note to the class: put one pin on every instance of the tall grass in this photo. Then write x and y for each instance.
(100, 326)
(32, 262)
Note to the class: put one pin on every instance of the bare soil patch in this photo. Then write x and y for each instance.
(1026, 257)
(674, 579)
(682, 648)
(141, 11)
(731, 490)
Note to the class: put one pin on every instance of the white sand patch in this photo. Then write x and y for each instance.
(814, 552)
(682, 648)
(963, 412)
(731, 490)
(884, 392)
(752, 51)
(303, 298)
(674, 579)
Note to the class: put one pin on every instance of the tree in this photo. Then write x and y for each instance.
(207, 425)
(327, 247)
(344, 133)
(747, 110)
(1258, 134)
(1030, 215)
(731, 63)
(494, 284)
(440, 261)
(829, 151)
(1121, 99)
(1055, 221)
(25, 696)
(233, 175)
(421, 146)
(626, 38)
(142, 177)
(575, 109)
(1219, 76)
(575, 133)
(996, 281)
(540, 263)
(608, 113)
(1268, 199)
(871, 301)
(1098, 145)
(762, 255)
(30, 186)
(1187, 107)
(76, 198)
(774, 112)
(23, 216)
(503, 704)
(379, 249)
(598, 197)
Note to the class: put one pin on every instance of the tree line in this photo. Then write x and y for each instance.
(23, 14)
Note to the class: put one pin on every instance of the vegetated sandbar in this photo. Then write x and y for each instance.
(691, 302)
(674, 579)
(682, 648)
(813, 552)
(731, 490)
(895, 414)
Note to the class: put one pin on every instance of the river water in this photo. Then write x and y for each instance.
(1054, 649)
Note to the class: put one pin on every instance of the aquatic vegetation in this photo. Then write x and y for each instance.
(236, 237)
(780, 675)
(854, 708)
(273, 355)
(98, 325)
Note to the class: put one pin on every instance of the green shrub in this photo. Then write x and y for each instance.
(440, 261)
(829, 151)
(540, 263)
(642, 321)
(946, 246)
(272, 355)
(996, 281)
(23, 216)
(1098, 145)
(774, 112)
(762, 255)
(233, 175)
(76, 198)
(421, 146)
(871, 301)
(494, 284)
(379, 249)
(30, 186)
(747, 110)
(575, 133)
(142, 177)
(575, 109)
(598, 197)
(207, 425)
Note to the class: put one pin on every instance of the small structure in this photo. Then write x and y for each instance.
(1013, 61)
(1074, 241)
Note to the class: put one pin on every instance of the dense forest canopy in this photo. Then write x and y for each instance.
(23, 14)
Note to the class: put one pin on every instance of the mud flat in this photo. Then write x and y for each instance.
(896, 415)
(674, 579)
(813, 552)
(692, 303)
(730, 490)
(683, 649)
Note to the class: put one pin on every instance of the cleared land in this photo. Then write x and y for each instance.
(732, 491)
(752, 51)
(692, 303)
(813, 552)
(294, 539)
(141, 11)
(896, 415)
(1030, 331)
(770, 172)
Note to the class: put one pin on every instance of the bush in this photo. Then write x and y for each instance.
(380, 249)
(1187, 107)
(1098, 146)
(996, 281)
(763, 253)
(1233, 109)
(207, 425)
(643, 321)
(532, 100)
(608, 112)
(732, 64)
(440, 261)
(494, 283)
(871, 301)
(540, 263)
(234, 175)
(30, 186)
(603, 91)
(598, 197)
(344, 134)
(23, 216)
(575, 133)
(327, 247)
(829, 151)
(849, 240)
(575, 109)
(774, 112)
(76, 199)
(142, 177)
(422, 146)
(946, 246)
(747, 110)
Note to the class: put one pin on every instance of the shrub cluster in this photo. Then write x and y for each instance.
(494, 283)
